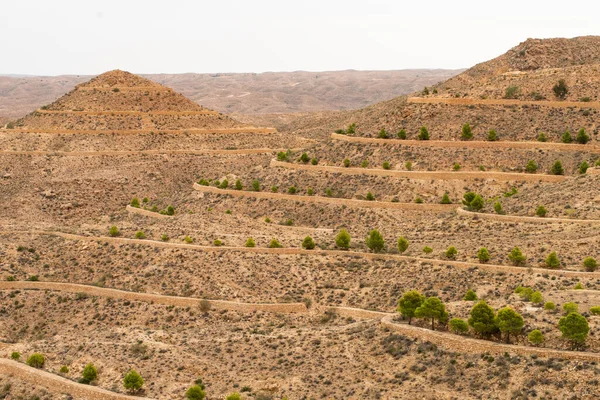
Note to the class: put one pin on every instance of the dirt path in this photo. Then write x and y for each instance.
(439, 175)
(155, 298)
(517, 218)
(146, 213)
(472, 144)
(328, 200)
(192, 131)
(298, 251)
(58, 384)
(124, 112)
(502, 102)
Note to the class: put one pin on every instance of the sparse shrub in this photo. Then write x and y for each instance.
(595, 310)
(218, 242)
(274, 244)
(582, 137)
(451, 252)
(483, 255)
(195, 392)
(383, 134)
(113, 231)
(492, 135)
(423, 134)
(583, 167)
(238, 185)
(375, 241)
(370, 196)
(328, 192)
(560, 89)
(531, 167)
(364, 164)
(408, 166)
(427, 250)
(36, 360)
(419, 200)
(133, 381)
(458, 326)
(402, 134)
(517, 257)
(446, 199)
(308, 243)
(408, 304)
(314, 161)
(585, 99)
(470, 295)
(304, 158)
(346, 163)
(342, 240)
(498, 208)
(467, 132)
(256, 185)
(578, 286)
(542, 137)
(164, 237)
(310, 192)
(89, 374)
(535, 337)
(135, 202)
(140, 235)
(552, 261)
(274, 189)
(566, 137)
(402, 244)
(351, 129)
(570, 307)
(386, 165)
(574, 327)
(511, 92)
(540, 211)
(456, 167)
(590, 264)
(64, 369)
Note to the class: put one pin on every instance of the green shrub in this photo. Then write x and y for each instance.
(195, 392)
(170, 210)
(419, 200)
(346, 163)
(511, 92)
(140, 235)
(234, 396)
(250, 243)
(451, 252)
(15, 355)
(224, 184)
(574, 327)
(382, 134)
(164, 237)
(467, 132)
(585, 99)
(552, 261)
(595, 310)
(402, 134)
(483, 255)
(531, 167)
(314, 161)
(36, 360)
(402, 244)
(274, 244)
(64, 369)
(408, 166)
(375, 241)
(458, 326)
(578, 286)
(113, 231)
(386, 165)
(542, 137)
(408, 304)
(536, 297)
(203, 182)
(427, 250)
(292, 190)
(423, 134)
(477, 203)
(133, 381)
(557, 168)
(364, 164)
(274, 189)
(370, 196)
(566, 137)
(351, 129)
(218, 242)
(283, 156)
(446, 199)
(540, 211)
(582, 137)
(188, 240)
(498, 208)
(434, 309)
(310, 191)
(535, 337)
(456, 167)
(570, 307)
(256, 185)
(308, 243)
(135, 202)
(304, 158)
(549, 306)
(492, 135)
(517, 257)
(342, 240)
(89, 374)
(483, 319)
(560, 89)
(470, 295)
(590, 264)
(583, 167)
(328, 192)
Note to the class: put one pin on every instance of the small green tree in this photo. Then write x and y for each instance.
(113, 231)
(408, 304)
(170, 210)
(535, 337)
(308, 243)
(36, 360)
(517, 257)
(483, 319)
(582, 137)
(351, 129)
(468, 198)
(386, 165)
(570, 307)
(304, 158)
(451, 252)
(557, 168)
(483, 255)
(133, 381)
(140, 235)
(458, 326)
(383, 134)
(195, 392)
(224, 184)
(292, 190)
(477, 203)
(498, 208)
(542, 137)
(541, 211)
(375, 241)
(15, 355)
(408, 166)
(346, 162)
(250, 243)
(423, 134)
(509, 321)
(402, 244)
(256, 185)
(590, 264)
(467, 132)
(549, 306)
(342, 240)
(560, 89)
(434, 309)
(402, 134)
(274, 244)
(446, 199)
(583, 167)
(566, 137)
(536, 298)
(552, 261)
(89, 374)
(238, 185)
(370, 196)
(456, 167)
(531, 167)
(575, 328)
(314, 161)
(492, 135)
(135, 202)
(470, 295)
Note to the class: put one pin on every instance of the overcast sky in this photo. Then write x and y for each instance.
(171, 36)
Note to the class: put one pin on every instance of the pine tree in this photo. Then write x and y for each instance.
(408, 304)
(509, 321)
(375, 241)
(483, 319)
(434, 309)
(402, 244)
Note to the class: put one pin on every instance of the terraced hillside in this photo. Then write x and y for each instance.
(284, 265)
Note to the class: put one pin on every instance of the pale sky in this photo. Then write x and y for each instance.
(172, 36)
